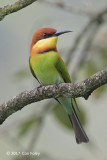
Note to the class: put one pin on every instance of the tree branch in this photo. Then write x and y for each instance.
(80, 89)
(6, 10)
(96, 19)
(75, 10)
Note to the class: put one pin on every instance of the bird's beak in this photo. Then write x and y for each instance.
(58, 33)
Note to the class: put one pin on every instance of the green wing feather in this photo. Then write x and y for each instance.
(62, 69)
(79, 131)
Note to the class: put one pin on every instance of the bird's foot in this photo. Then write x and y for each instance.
(57, 83)
(39, 86)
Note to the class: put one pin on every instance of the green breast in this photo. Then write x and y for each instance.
(43, 66)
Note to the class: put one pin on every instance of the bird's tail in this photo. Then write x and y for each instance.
(79, 131)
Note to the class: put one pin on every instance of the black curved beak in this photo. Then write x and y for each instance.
(58, 33)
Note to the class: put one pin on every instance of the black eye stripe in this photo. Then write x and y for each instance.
(44, 34)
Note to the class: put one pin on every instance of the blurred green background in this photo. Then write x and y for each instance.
(44, 127)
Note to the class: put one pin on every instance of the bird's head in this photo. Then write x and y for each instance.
(45, 39)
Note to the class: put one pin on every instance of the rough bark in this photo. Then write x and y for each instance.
(80, 89)
(6, 10)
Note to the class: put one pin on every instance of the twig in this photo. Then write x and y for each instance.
(84, 52)
(80, 89)
(38, 127)
(69, 8)
(6, 10)
(78, 40)
(37, 130)
(98, 18)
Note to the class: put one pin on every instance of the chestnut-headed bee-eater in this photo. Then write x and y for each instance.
(48, 68)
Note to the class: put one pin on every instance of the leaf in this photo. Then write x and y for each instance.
(26, 126)
(22, 74)
(97, 62)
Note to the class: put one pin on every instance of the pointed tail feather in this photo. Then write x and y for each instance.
(79, 131)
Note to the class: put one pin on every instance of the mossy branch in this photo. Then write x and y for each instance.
(6, 10)
(80, 89)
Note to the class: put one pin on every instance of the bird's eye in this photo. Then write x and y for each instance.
(45, 35)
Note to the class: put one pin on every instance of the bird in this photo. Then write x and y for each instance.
(48, 68)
